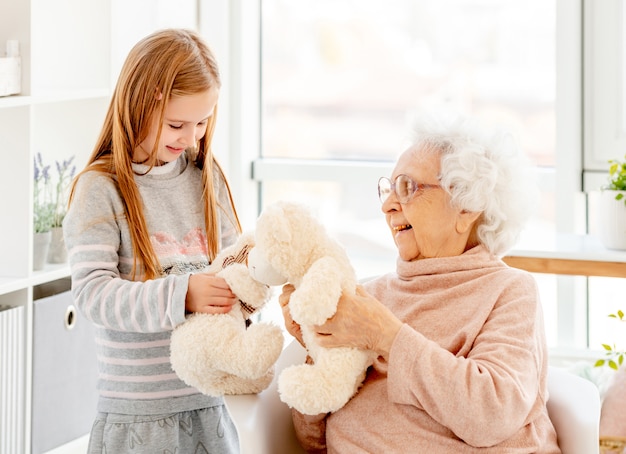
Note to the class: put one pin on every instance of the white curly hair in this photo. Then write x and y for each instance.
(483, 171)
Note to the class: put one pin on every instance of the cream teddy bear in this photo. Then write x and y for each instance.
(290, 243)
(219, 354)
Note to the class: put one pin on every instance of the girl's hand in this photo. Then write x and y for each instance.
(209, 294)
(361, 321)
(292, 327)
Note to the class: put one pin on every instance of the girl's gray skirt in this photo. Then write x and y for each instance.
(207, 430)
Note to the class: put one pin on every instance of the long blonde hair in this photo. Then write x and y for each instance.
(172, 62)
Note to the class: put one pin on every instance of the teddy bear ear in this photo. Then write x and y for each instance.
(274, 223)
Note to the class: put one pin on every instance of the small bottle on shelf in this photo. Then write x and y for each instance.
(11, 69)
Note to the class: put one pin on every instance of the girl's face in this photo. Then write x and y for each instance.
(184, 124)
(428, 225)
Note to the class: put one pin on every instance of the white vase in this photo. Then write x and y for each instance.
(41, 244)
(57, 252)
(611, 219)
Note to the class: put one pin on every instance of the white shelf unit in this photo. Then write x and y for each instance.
(71, 52)
(65, 81)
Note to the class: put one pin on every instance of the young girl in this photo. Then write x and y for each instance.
(149, 211)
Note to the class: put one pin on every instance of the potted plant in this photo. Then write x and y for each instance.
(612, 207)
(49, 208)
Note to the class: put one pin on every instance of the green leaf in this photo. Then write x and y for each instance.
(599, 363)
(617, 177)
(613, 365)
(607, 347)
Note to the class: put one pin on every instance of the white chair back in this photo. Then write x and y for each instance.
(574, 408)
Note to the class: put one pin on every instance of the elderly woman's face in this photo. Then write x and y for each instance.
(427, 225)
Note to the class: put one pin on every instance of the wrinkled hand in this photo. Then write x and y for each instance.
(292, 327)
(209, 294)
(361, 321)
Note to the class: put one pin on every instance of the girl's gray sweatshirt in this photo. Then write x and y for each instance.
(134, 319)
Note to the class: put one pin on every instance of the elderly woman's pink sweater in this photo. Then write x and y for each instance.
(466, 373)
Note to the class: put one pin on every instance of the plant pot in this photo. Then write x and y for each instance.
(41, 245)
(611, 220)
(57, 252)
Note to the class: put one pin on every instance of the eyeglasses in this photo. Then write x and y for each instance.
(404, 187)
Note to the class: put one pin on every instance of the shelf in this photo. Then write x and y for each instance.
(570, 247)
(48, 274)
(581, 255)
(53, 97)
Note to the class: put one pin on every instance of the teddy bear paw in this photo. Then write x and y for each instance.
(257, 350)
(312, 391)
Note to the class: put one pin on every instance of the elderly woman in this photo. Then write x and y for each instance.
(462, 354)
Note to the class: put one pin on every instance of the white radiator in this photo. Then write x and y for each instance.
(12, 358)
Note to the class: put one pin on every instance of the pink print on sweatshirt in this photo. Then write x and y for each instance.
(192, 245)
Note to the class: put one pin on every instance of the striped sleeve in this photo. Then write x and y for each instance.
(96, 233)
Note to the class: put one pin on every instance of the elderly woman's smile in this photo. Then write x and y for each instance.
(400, 228)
